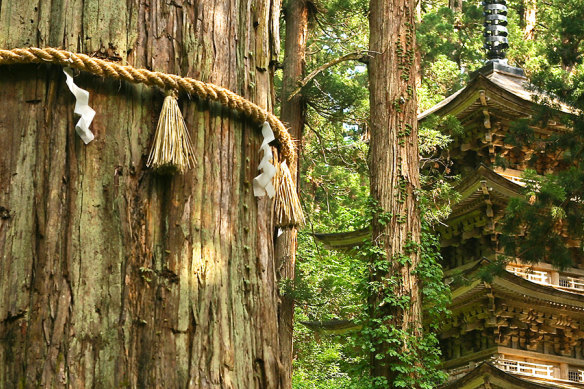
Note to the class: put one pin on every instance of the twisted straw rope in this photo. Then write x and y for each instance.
(163, 81)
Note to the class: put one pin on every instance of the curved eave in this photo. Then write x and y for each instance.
(487, 375)
(512, 286)
(493, 179)
(343, 240)
(472, 191)
(549, 295)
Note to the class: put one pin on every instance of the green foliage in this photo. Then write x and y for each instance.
(418, 367)
(332, 285)
(334, 183)
(450, 46)
(435, 134)
(550, 217)
(563, 31)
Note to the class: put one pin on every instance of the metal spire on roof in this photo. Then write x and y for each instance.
(496, 42)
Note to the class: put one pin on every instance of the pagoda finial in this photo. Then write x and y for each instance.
(496, 41)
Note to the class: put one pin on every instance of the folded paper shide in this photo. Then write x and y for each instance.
(263, 184)
(172, 149)
(82, 108)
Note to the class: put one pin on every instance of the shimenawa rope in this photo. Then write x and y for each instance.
(202, 90)
(175, 137)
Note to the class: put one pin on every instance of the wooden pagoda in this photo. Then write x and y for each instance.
(525, 328)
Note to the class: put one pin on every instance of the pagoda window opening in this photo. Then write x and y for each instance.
(576, 375)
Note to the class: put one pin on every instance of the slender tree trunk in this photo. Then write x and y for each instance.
(394, 173)
(293, 115)
(112, 276)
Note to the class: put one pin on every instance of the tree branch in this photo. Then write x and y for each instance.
(362, 56)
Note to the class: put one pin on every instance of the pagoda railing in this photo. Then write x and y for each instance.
(539, 277)
(526, 368)
(572, 283)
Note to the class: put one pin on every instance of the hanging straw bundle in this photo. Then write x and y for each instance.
(172, 149)
(288, 209)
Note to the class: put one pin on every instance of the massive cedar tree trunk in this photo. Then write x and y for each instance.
(293, 115)
(394, 169)
(112, 276)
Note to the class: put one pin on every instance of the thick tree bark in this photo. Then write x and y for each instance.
(112, 276)
(394, 170)
(293, 115)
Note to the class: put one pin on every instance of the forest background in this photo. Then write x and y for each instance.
(546, 40)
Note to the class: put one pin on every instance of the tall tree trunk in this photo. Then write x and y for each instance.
(530, 18)
(112, 276)
(293, 115)
(455, 5)
(394, 174)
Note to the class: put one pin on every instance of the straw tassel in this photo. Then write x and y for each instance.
(288, 209)
(172, 149)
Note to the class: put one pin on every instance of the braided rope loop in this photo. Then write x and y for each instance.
(190, 86)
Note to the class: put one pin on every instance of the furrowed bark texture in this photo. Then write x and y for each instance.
(394, 165)
(293, 115)
(112, 276)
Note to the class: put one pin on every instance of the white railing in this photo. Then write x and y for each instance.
(517, 180)
(576, 375)
(539, 277)
(572, 283)
(526, 368)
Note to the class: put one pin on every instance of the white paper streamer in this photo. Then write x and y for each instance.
(82, 108)
(262, 184)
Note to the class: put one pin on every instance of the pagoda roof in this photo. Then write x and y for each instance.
(483, 182)
(499, 87)
(488, 376)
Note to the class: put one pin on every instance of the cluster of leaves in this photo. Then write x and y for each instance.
(451, 45)
(415, 356)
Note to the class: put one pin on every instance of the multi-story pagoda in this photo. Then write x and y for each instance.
(524, 328)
